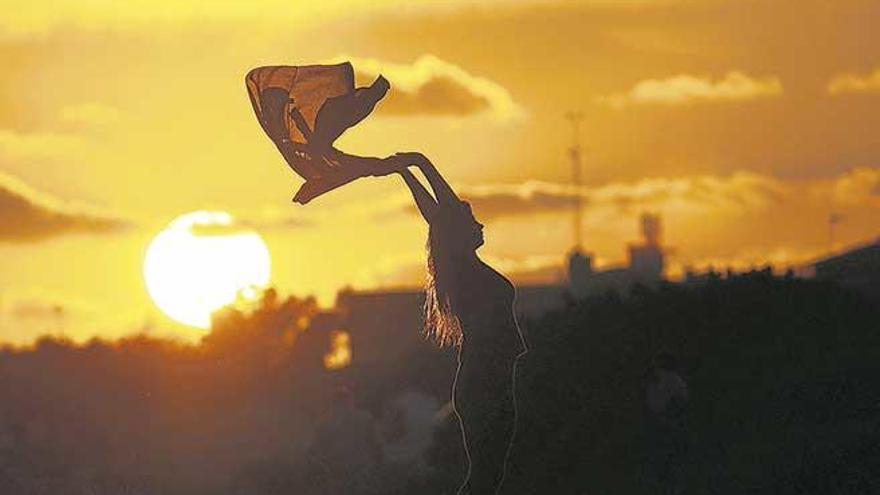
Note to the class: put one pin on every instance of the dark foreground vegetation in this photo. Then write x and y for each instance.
(784, 379)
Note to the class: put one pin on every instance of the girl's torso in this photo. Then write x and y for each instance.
(486, 312)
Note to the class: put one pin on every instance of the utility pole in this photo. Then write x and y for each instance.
(575, 118)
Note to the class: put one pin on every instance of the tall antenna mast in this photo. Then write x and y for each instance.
(575, 118)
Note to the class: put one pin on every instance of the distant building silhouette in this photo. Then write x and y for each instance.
(580, 269)
(646, 260)
(646, 265)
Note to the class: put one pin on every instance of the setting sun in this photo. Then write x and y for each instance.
(200, 262)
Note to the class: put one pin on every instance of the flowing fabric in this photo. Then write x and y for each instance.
(303, 110)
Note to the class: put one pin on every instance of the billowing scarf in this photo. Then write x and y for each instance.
(303, 110)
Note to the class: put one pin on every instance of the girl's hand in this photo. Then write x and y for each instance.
(412, 158)
(388, 165)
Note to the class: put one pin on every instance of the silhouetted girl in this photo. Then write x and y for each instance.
(469, 305)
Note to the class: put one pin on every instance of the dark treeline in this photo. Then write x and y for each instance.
(251, 409)
(783, 377)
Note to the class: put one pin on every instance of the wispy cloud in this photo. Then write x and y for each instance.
(258, 223)
(540, 269)
(687, 89)
(90, 114)
(855, 83)
(741, 190)
(858, 187)
(528, 198)
(392, 273)
(37, 310)
(39, 145)
(27, 314)
(435, 87)
(29, 215)
(742, 219)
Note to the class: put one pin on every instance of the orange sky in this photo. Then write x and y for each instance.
(744, 123)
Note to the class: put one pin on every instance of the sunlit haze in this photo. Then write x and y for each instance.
(746, 125)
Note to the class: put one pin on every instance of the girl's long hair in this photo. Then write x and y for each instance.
(441, 321)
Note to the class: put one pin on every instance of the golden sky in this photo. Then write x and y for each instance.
(743, 123)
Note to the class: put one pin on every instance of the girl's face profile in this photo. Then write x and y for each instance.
(463, 229)
(475, 227)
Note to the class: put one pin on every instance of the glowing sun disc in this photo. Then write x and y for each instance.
(201, 262)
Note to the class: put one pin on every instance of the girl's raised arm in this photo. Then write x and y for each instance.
(424, 201)
(442, 190)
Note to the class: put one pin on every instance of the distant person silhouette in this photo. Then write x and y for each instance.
(666, 396)
(469, 305)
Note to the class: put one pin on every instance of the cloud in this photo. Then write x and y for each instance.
(541, 269)
(431, 86)
(389, 272)
(28, 215)
(271, 217)
(37, 310)
(741, 190)
(239, 226)
(90, 114)
(27, 313)
(742, 219)
(780, 258)
(858, 187)
(529, 198)
(39, 145)
(283, 223)
(392, 273)
(686, 89)
(221, 223)
(855, 83)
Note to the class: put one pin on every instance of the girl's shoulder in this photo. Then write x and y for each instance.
(502, 283)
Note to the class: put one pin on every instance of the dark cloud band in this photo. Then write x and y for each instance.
(26, 215)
